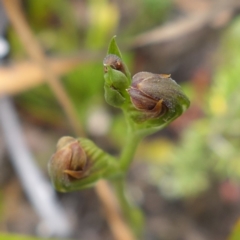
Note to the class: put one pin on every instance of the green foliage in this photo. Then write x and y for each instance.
(114, 87)
(209, 149)
(104, 18)
(113, 48)
(5, 236)
(41, 104)
(84, 86)
(54, 24)
(158, 10)
(235, 235)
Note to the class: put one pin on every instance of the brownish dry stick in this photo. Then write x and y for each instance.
(118, 227)
(22, 76)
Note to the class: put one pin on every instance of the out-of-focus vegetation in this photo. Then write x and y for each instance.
(16, 237)
(158, 10)
(236, 232)
(209, 148)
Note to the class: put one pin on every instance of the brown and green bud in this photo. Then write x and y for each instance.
(114, 62)
(117, 80)
(69, 162)
(156, 96)
(79, 163)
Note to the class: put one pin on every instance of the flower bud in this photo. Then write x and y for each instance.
(116, 80)
(156, 96)
(114, 62)
(68, 163)
(79, 163)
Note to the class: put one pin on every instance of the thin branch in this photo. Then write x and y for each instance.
(120, 230)
(22, 76)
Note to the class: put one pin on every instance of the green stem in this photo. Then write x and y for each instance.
(129, 150)
(132, 214)
(132, 140)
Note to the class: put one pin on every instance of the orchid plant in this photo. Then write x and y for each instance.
(149, 102)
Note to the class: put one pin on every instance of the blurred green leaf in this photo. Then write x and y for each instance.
(54, 24)
(103, 20)
(235, 235)
(84, 86)
(140, 20)
(113, 48)
(5, 236)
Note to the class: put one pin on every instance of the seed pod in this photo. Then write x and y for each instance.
(156, 95)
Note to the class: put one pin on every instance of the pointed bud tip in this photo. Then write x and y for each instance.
(114, 62)
(64, 141)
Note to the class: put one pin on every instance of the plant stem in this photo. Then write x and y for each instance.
(132, 214)
(129, 150)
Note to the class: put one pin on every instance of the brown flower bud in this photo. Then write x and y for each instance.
(68, 163)
(155, 95)
(114, 62)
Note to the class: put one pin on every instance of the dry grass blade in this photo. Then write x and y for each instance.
(22, 76)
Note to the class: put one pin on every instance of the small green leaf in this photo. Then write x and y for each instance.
(119, 80)
(113, 48)
(115, 87)
(113, 97)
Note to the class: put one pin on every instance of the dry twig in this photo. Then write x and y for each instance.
(22, 76)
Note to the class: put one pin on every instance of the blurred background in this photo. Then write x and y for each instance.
(185, 178)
